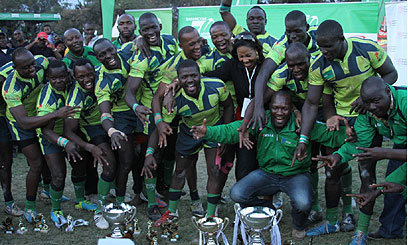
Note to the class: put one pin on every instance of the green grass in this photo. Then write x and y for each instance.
(188, 233)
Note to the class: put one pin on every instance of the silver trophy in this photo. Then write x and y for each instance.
(258, 219)
(210, 226)
(119, 214)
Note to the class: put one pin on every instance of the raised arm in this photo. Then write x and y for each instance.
(225, 11)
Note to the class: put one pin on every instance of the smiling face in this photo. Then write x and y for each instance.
(126, 26)
(191, 43)
(74, 41)
(296, 31)
(150, 31)
(25, 65)
(85, 75)
(107, 55)
(189, 78)
(58, 77)
(256, 21)
(298, 64)
(247, 56)
(221, 38)
(377, 101)
(281, 110)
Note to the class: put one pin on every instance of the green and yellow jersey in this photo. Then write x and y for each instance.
(88, 112)
(88, 54)
(5, 70)
(346, 76)
(266, 39)
(150, 69)
(192, 110)
(24, 91)
(111, 84)
(278, 50)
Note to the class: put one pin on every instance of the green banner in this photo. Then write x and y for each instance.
(356, 18)
(164, 15)
(107, 7)
(30, 16)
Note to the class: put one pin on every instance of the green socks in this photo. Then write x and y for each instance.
(103, 190)
(120, 199)
(56, 199)
(346, 182)
(30, 205)
(150, 185)
(46, 187)
(315, 183)
(332, 215)
(212, 202)
(363, 222)
(9, 202)
(174, 198)
(79, 188)
(168, 171)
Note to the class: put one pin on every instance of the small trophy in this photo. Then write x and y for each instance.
(165, 230)
(210, 226)
(119, 214)
(21, 229)
(151, 235)
(174, 235)
(71, 225)
(136, 228)
(8, 226)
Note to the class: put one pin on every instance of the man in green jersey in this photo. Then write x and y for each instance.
(85, 129)
(387, 116)
(20, 92)
(51, 98)
(126, 28)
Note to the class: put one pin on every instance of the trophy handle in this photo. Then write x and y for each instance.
(225, 223)
(133, 215)
(278, 216)
(194, 220)
(237, 209)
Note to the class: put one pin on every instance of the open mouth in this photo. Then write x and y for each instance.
(88, 86)
(112, 62)
(222, 45)
(152, 39)
(191, 88)
(279, 119)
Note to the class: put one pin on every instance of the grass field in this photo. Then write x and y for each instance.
(188, 233)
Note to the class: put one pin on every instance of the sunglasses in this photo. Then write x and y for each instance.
(245, 37)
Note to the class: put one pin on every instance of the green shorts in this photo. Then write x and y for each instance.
(186, 145)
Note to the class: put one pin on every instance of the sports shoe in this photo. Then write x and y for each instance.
(348, 223)
(325, 228)
(100, 221)
(44, 195)
(298, 235)
(359, 238)
(92, 198)
(86, 205)
(315, 217)
(30, 215)
(166, 217)
(277, 200)
(13, 209)
(197, 208)
(58, 218)
(224, 199)
(136, 201)
(154, 213)
(160, 202)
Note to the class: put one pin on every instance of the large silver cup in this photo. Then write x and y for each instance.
(210, 226)
(258, 219)
(118, 215)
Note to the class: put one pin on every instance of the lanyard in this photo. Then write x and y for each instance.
(250, 80)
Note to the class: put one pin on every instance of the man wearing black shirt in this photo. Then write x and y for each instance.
(19, 40)
(39, 47)
(5, 51)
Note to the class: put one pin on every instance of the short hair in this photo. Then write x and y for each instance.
(297, 47)
(71, 29)
(281, 93)
(131, 17)
(254, 44)
(376, 83)
(99, 41)
(57, 64)
(187, 63)
(19, 52)
(81, 62)
(330, 28)
(45, 25)
(296, 15)
(185, 30)
(257, 7)
(220, 23)
(146, 16)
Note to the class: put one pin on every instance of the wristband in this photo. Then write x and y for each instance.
(105, 116)
(149, 151)
(304, 139)
(225, 8)
(246, 120)
(158, 120)
(61, 141)
(114, 130)
(134, 106)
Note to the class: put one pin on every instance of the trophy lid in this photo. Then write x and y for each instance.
(210, 224)
(257, 217)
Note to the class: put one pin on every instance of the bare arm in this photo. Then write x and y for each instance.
(70, 127)
(132, 85)
(388, 72)
(30, 45)
(328, 109)
(228, 113)
(227, 16)
(309, 110)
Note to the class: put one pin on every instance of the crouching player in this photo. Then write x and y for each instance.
(85, 129)
(199, 98)
(51, 98)
(278, 171)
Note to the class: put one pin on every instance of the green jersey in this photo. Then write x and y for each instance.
(367, 125)
(277, 53)
(399, 176)
(24, 91)
(5, 70)
(88, 54)
(88, 112)
(266, 39)
(111, 84)
(151, 69)
(192, 110)
(275, 148)
(346, 76)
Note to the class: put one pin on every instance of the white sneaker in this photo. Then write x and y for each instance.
(277, 200)
(100, 221)
(13, 209)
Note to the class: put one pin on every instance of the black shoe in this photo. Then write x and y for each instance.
(377, 236)
(154, 213)
(348, 223)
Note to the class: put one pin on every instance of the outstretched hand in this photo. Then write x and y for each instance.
(199, 131)
(363, 199)
(244, 137)
(371, 154)
(300, 153)
(330, 161)
(389, 187)
(259, 118)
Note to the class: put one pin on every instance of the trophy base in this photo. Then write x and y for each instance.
(125, 236)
